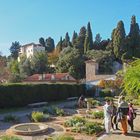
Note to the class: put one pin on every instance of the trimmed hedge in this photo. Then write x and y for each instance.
(18, 95)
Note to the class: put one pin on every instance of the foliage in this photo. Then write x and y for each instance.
(74, 38)
(97, 54)
(131, 82)
(10, 118)
(25, 67)
(63, 137)
(59, 46)
(118, 40)
(92, 128)
(6, 137)
(134, 37)
(39, 62)
(53, 57)
(131, 99)
(71, 60)
(79, 44)
(88, 128)
(14, 49)
(37, 116)
(88, 44)
(74, 121)
(97, 114)
(105, 92)
(42, 41)
(13, 95)
(59, 111)
(50, 44)
(54, 111)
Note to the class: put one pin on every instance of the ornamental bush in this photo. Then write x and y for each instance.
(18, 95)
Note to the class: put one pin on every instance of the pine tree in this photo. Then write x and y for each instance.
(118, 37)
(42, 41)
(50, 44)
(88, 44)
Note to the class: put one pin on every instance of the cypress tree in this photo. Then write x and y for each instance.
(118, 37)
(88, 44)
(81, 38)
(74, 37)
(59, 46)
(134, 36)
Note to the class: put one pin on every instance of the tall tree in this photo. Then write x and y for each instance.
(74, 37)
(59, 45)
(39, 62)
(71, 60)
(66, 41)
(42, 41)
(88, 44)
(81, 38)
(96, 44)
(50, 44)
(14, 49)
(118, 40)
(134, 36)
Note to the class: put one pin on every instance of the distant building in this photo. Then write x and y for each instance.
(29, 50)
(50, 78)
(92, 72)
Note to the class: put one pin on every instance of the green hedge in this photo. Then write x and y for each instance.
(17, 95)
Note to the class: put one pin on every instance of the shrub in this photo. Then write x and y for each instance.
(63, 137)
(59, 111)
(54, 111)
(105, 93)
(9, 138)
(39, 116)
(88, 128)
(109, 98)
(10, 118)
(92, 128)
(98, 115)
(76, 120)
(13, 95)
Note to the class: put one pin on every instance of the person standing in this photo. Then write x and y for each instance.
(122, 112)
(114, 116)
(81, 101)
(107, 116)
(131, 116)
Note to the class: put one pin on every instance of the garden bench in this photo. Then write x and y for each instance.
(39, 104)
(72, 98)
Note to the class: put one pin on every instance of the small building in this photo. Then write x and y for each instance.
(93, 76)
(51, 78)
(30, 49)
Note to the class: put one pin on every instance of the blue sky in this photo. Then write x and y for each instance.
(28, 20)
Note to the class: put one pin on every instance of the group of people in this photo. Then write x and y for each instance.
(123, 113)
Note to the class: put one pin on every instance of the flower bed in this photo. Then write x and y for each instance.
(81, 125)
